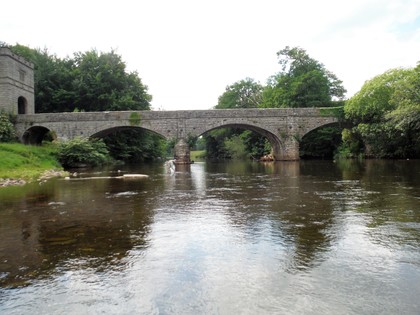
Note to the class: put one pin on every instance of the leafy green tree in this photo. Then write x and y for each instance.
(215, 148)
(370, 104)
(103, 84)
(82, 151)
(235, 142)
(89, 81)
(302, 82)
(93, 81)
(135, 145)
(242, 94)
(53, 79)
(236, 147)
(406, 99)
(386, 114)
(255, 145)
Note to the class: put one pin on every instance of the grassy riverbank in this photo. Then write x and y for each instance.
(197, 155)
(18, 161)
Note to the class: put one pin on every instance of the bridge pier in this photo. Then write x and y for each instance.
(287, 149)
(182, 152)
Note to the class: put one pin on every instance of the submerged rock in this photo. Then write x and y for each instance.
(135, 176)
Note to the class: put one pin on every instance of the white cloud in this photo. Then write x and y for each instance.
(188, 51)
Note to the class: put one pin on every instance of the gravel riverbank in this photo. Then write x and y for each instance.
(4, 182)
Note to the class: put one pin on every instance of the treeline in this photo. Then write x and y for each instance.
(94, 81)
(385, 117)
(382, 120)
(301, 82)
(88, 81)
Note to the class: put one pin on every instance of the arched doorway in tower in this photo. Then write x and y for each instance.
(22, 105)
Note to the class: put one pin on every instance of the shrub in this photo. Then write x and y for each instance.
(83, 152)
(236, 147)
(7, 130)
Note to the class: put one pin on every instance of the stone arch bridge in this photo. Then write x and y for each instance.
(283, 127)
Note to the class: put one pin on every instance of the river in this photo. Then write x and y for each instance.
(308, 237)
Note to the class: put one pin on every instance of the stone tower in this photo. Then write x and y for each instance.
(16, 83)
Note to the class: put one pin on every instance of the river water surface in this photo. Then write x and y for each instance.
(308, 237)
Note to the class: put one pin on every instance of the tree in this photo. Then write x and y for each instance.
(92, 81)
(302, 82)
(370, 104)
(135, 145)
(406, 99)
(235, 142)
(102, 84)
(53, 79)
(386, 114)
(242, 94)
(89, 81)
(82, 152)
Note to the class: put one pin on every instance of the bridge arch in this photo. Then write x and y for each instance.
(35, 135)
(321, 142)
(107, 131)
(315, 128)
(275, 141)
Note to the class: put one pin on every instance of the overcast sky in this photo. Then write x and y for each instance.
(188, 51)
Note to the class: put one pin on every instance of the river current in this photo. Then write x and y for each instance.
(308, 237)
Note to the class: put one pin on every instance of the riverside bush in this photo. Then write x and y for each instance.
(83, 152)
(7, 131)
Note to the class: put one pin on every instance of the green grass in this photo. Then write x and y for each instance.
(197, 155)
(18, 161)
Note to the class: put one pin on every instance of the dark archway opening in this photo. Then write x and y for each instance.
(36, 135)
(133, 144)
(22, 105)
(321, 143)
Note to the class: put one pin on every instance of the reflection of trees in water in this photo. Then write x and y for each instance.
(304, 220)
(96, 223)
(276, 197)
(387, 196)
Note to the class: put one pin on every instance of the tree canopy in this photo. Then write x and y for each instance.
(386, 116)
(302, 82)
(235, 142)
(242, 94)
(374, 98)
(90, 81)
(93, 81)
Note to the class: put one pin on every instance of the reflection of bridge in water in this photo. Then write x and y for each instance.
(283, 127)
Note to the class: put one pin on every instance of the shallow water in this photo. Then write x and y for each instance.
(309, 237)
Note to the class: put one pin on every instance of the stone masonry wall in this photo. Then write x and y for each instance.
(180, 124)
(16, 80)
